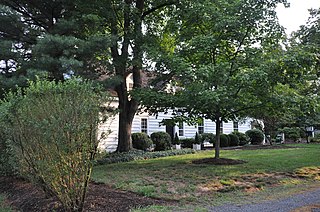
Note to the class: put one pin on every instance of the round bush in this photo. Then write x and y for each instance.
(234, 140)
(162, 141)
(141, 141)
(291, 133)
(224, 140)
(210, 137)
(187, 142)
(243, 138)
(256, 136)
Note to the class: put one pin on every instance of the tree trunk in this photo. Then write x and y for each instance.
(217, 144)
(127, 110)
(124, 133)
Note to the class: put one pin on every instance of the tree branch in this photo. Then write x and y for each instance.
(157, 7)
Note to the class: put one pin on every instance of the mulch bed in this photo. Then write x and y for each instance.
(24, 196)
(218, 161)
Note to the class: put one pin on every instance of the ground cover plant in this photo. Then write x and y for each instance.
(133, 155)
(178, 178)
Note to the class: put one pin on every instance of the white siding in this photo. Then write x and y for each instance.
(154, 125)
(109, 143)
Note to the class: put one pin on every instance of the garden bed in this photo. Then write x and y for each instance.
(23, 196)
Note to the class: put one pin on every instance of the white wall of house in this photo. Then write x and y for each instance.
(153, 125)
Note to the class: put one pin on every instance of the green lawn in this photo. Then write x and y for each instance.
(177, 178)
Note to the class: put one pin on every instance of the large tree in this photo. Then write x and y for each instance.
(90, 38)
(218, 62)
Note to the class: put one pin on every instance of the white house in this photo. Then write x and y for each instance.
(143, 122)
(149, 124)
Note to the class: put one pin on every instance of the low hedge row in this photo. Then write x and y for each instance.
(140, 155)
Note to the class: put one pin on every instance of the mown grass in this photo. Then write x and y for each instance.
(177, 178)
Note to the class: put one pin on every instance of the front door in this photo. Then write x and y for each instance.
(170, 129)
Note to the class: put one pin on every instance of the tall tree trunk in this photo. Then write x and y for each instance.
(217, 144)
(127, 110)
(124, 132)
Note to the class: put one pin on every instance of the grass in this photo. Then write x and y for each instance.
(3, 206)
(266, 172)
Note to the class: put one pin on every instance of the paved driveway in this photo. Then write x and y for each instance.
(295, 202)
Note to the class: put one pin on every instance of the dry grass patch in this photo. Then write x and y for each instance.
(248, 183)
(312, 172)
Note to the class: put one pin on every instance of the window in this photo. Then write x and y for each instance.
(201, 127)
(181, 130)
(144, 125)
(221, 127)
(235, 126)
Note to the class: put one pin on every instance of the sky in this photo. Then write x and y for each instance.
(297, 14)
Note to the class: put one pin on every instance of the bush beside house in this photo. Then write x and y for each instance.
(141, 141)
(256, 136)
(162, 141)
(243, 138)
(224, 140)
(187, 142)
(234, 139)
(291, 133)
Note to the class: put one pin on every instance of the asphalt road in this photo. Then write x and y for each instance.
(282, 205)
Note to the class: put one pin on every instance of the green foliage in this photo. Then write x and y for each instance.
(234, 139)
(243, 138)
(8, 161)
(197, 139)
(224, 140)
(187, 142)
(53, 128)
(316, 139)
(210, 137)
(223, 75)
(292, 133)
(141, 141)
(256, 136)
(162, 141)
(140, 155)
(176, 139)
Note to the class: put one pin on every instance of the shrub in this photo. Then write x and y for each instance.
(140, 155)
(8, 163)
(210, 137)
(141, 141)
(162, 141)
(197, 139)
(176, 139)
(243, 138)
(224, 140)
(292, 133)
(234, 139)
(53, 127)
(256, 136)
(315, 140)
(187, 142)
